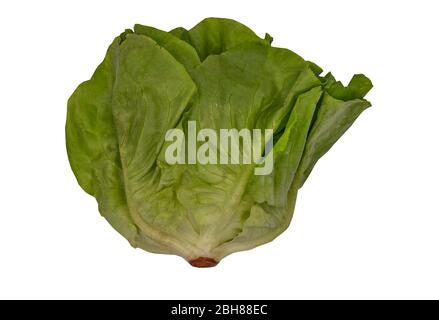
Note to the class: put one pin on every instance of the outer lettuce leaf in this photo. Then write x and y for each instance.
(333, 118)
(288, 150)
(114, 121)
(93, 147)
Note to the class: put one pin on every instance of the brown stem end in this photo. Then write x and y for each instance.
(203, 262)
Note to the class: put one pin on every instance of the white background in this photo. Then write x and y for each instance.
(366, 223)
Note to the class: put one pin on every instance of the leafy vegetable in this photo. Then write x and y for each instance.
(219, 75)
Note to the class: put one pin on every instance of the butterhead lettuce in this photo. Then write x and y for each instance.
(219, 75)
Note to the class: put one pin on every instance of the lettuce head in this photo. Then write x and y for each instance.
(218, 75)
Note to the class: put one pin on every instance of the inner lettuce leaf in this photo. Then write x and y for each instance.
(219, 75)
